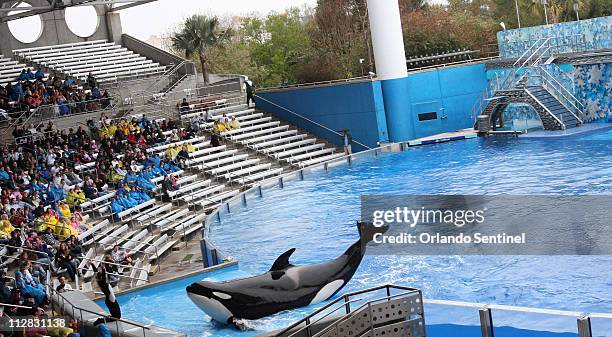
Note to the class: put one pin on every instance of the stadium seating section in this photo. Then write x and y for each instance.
(107, 61)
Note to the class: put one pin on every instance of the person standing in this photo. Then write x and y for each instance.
(249, 92)
(346, 141)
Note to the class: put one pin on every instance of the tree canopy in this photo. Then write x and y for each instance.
(332, 40)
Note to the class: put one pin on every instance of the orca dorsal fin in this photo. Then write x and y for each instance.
(282, 261)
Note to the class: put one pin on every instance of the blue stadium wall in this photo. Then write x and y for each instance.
(357, 106)
(373, 117)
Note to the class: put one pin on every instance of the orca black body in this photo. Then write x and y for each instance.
(284, 287)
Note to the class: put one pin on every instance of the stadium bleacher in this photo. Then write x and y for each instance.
(143, 185)
(265, 134)
(107, 61)
(9, 70)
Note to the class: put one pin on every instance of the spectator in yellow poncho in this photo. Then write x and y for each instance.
(172, 151)
(50, 218)
(234, 123)
(219, 127)
(64, 210)
(5, 227)
(75, 197)
(64, 229)
(116, 174)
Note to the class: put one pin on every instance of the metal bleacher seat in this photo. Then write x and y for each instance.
(103, 59)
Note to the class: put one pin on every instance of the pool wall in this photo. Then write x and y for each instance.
(422, 104)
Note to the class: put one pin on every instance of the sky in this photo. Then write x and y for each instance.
(160, 16)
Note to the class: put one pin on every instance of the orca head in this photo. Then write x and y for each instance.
(214, 302)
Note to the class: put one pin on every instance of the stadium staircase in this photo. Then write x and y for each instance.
(265, 136)
(535, 80)
(386, 310)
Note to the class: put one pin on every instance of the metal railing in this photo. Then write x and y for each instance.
(542, 77)
(479, 105)
(77, 313)
(20, 250)
(334, 136)
(564, 44)
(534, 56)
(312, 84)
(116, 241)
(172, 76)
(344, 303)
(48, 112)
(129, 267)
(485, 311)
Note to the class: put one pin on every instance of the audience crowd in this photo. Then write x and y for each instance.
(61, 96)
(47, 175)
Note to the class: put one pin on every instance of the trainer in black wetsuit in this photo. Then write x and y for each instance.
(109, 296)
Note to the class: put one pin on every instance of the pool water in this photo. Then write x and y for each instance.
(317, 216)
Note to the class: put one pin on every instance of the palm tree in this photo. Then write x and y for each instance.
(198, 33)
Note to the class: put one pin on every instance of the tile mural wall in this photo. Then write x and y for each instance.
(593, 83)
(570, 36)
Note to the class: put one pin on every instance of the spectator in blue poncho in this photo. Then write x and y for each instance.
(18, 90)
(103, 331)
(4, 175)
(116, 206)
(40, 74)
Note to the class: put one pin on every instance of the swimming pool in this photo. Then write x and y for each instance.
(317, 216)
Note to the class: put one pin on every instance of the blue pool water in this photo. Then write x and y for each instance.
(317, 217)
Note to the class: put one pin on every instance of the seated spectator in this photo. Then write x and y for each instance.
(40, 74)
(91, 81)
(66, 260)
(75, 197)
(5, 291)
(215, 140)
(184, 108)
(74, 245)
(219, 127)
(63, 287)
(5, 229)
(64, 210)
(120, 256)
(234, 123)
(28, 286)
(50, 238)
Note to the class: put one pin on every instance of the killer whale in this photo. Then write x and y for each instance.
(283, 287)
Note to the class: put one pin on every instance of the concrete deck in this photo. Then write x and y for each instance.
(581, 130)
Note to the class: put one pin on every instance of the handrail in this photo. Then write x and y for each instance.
(545, 108)
(81, 310)
(551, 88)
(450, 64)
(525, 53)
(14, 306)
(111, 263)
(22, 249)
(38, 112)
(348, 315)
(345, 297)
(135, 250)
(167, 76)
(310, 84)
(574, 98)
(313, 122)
(311, 323)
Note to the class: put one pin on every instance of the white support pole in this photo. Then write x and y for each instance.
(387, 39)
